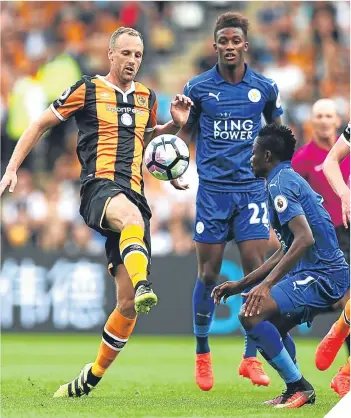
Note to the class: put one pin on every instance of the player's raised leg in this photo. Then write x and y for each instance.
(118, 328)
(331, 343)
(122, 215)
(209, 265)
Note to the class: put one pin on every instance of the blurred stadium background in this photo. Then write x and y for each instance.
(53, 276)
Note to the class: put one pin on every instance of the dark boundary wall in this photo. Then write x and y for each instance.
(43, 292)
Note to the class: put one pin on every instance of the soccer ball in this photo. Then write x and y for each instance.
(167, 157)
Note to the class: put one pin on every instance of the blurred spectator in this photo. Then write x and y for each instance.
(209, 59)
(288, 76)
(46, 46)
(53, 236)
(308, 162)
(23, 212)
(26, 102)
(188, 15)
(82, 241)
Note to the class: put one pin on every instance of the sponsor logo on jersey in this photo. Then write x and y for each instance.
(233, 129)
(282, 242)
(118, 109)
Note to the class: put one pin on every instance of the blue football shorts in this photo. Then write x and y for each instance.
(224, 216)
(303, 295)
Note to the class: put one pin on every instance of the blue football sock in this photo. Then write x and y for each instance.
(268, 341)
(250, 347)
(203, 310)
(290, 346)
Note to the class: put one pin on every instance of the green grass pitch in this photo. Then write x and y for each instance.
(153, 377)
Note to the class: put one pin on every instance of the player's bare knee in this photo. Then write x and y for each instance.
(126, 307)
(208, 277)
(133, 218)
(248, 322)
(252, 263)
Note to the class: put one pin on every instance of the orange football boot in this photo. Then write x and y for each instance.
(297, 399)
(252, 368)
(275, 401)
(203, 371)
(341, 383)
(328, 349)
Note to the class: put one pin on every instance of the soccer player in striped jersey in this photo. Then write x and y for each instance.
(331, 343)
(116, 117)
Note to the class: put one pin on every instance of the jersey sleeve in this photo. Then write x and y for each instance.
(285, 199)
(346, 134)
(70, 101)
(196, 108)
(152, 122)
(273, 107)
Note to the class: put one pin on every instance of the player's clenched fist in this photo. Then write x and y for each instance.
(9, 179)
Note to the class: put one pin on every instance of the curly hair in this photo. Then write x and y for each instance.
(278, 139)
(231, 20)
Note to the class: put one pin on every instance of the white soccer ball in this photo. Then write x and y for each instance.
(167, 157)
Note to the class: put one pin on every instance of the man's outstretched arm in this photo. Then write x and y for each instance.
(332, 171)
(24, 145)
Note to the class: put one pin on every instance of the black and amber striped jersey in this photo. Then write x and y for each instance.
(346, 134)
(111, 128)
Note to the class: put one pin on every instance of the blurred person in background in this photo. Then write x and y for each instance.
(81, 241)
(53, 236)
(340, 330)
(60, 61)
(23, 212)
(112, 197)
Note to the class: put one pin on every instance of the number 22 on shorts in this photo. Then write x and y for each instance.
(255, 218)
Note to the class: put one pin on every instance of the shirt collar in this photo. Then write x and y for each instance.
(218, 78)
(124, 93)
(277, 168)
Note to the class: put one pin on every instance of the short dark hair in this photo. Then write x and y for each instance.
(231, 20)
(278, 139)
(120, 31)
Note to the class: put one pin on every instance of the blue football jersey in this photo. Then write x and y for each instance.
(290, 195)
(229, 118)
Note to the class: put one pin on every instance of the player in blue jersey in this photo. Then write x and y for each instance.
(303, 278)
(229, 101)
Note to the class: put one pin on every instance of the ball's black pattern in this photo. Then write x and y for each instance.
(166, 168)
